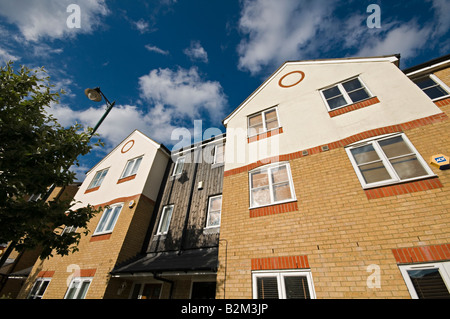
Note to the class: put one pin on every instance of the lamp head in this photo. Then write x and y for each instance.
(93, 94)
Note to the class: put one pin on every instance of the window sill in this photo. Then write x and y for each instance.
(90, 190)
(264, 135)
(100, 237)
(273, 209)
(442, 101)
(352, 107)
(401, 188)
(125, 179)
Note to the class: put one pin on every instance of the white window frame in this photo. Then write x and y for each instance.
(69, 229)
(163, 215)
(209, 211)
(134, 169)
(177, 163)
(263, 116)
(269, 168)
(215, 153)
(141, 289)
(280, 282)
(438, 82)
(108, 217)
(395, 179)
(80, 281)
(444, 271)
(98, 181)
(40, 282)
(344, 93)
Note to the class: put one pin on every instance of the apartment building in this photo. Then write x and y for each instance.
(125, 185)
(335, 183)
(180, 257)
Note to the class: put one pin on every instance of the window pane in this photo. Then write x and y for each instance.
(424, 83)
(272, 124)
(72, 289)
(279, 174)
(352, 85)
(215, 203)
(429, 284)
(332, 92)
(113, 218)
(365, 154)
(408, 167)
(359, 95)
(84, 287)
(374, 172)
(137, 162)
(435, 92)
(259, 179)
(296, 287)
(255, 120)
(103, 220)
(271, 119)
(128, 168)
(394, 147)
(179, 165)
(336, 102)
(213, 219)
(219, 155)
(282, 192)
(260, 196)
(267, 288)
(165, 221)
(43, 288)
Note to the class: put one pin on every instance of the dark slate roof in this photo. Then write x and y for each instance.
(204, 259)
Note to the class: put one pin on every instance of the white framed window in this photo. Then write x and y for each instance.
(387, 160)
(345, 93)
(131, 167)
(78, 288)
(427, 281)
(39, 288)
(34, 197)
(271, 184)
(69, 229)
(214, 211)
(164, 222)
(179, 164)
(108, 219)
(285, 284)
(219, 154)
(98, 178)
(263, 121)
(432, 86)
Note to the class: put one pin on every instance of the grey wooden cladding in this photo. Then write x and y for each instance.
(189, 192)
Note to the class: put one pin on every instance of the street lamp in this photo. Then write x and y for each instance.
(96, 95)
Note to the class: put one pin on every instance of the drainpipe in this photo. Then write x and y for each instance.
(156, 277)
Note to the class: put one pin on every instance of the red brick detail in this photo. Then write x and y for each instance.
(277, 263)
(273, 209)
(100, 237)
(422, 254)
(87, 272)
(265, 135)
(128, 178)
(403, 188)
(46, 274)
(343, 142)
(93, 189)
(442, 102)
(353, 107)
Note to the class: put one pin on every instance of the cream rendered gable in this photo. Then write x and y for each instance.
(303, 114)
(146, 181)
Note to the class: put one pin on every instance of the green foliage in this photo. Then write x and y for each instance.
(35, 153)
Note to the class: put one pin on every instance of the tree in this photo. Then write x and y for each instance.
(35, 153)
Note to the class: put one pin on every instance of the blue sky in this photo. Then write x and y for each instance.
(168, 63)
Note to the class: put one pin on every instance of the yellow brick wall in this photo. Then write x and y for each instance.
(336, 226)
(101, 255)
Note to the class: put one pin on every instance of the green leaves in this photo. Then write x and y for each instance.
(36, 152)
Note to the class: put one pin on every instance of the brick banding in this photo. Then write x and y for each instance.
(278, 263)
(273, 209)
(422, 254)
(353, 107)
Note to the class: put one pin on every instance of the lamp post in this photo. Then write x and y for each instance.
(93, 95)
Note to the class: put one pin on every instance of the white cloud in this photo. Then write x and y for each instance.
(184, 92)
(142, 25)
(5, 56)
(48, 18)
(152, 48)
(196, 52)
